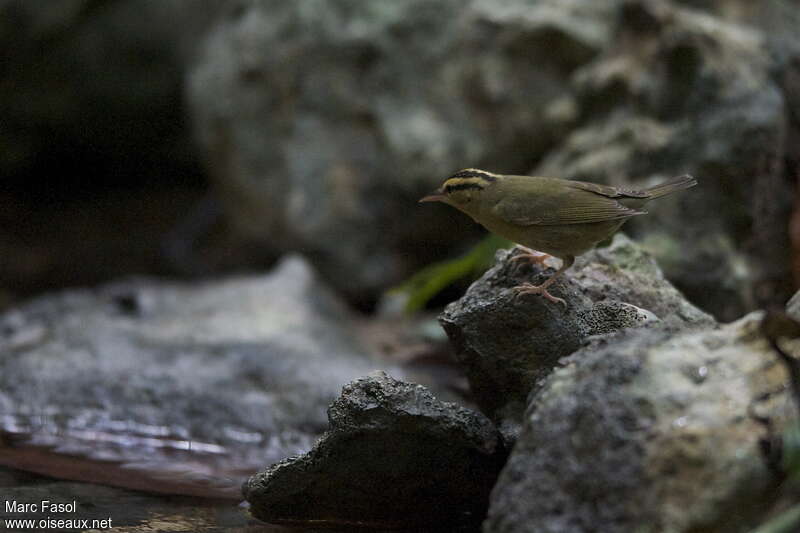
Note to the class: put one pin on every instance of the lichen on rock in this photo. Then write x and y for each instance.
(649, 431)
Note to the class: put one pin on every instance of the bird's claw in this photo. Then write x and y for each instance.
(529, 288)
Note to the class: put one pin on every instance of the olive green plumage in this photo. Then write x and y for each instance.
(562, 218)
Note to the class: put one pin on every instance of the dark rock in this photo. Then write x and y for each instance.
(177, 388)
(324, 126)
(507, 344)
(394, 456)
(93, 84)
(690, 92)
(649, 431)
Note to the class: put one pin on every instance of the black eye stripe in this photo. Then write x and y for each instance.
(462, 186)
(473, 174)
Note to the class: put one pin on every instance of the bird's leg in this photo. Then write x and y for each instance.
(530, 256)
(529, 288)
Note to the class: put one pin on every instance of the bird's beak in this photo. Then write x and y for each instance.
(435, 196)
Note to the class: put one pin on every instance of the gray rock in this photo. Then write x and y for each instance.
(507, 344)
(683, 91)
(170, 387)
(793, 306)
(650, 432)
(394, 456)
(624, 271)
(324, 119)
(777, 19)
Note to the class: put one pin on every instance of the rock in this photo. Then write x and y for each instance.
(775, 18)
(394, 456)
(678, 91)
(621, 438)
(325, 121)
(507, 344)
(793, 306)
(624, 271)
(170, 387)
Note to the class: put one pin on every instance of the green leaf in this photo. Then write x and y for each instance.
(786, 522)
(431, 280)
(791, 450)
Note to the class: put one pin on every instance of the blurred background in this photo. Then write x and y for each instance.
(184, 138)
(192, 140)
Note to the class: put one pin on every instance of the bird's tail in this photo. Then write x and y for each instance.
(668, 187)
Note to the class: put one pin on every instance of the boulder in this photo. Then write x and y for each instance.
(508, 343)
(650, 431)
(394, 456)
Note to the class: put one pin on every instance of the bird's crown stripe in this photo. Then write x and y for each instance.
(474, 173)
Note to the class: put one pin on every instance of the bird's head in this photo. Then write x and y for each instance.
(462, 188)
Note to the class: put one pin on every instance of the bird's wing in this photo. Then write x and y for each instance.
(607, 190)
(565, 204)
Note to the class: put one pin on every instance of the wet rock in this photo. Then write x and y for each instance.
(323, 122)
(649, 431)
(507, 344)
(169, 387)
(394, 456)
(680, 90)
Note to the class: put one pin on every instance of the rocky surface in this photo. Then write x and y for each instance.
(507, 344)
(169, 387)
(775, 18)
(793, 306)
(643, 431)
(394, 456)
(678, 90)
(330, 118)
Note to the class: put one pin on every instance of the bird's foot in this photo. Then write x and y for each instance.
(530, 256)
(530, 288)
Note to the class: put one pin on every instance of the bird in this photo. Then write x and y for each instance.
(559, 217)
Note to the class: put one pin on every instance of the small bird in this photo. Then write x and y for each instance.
(559, 217)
